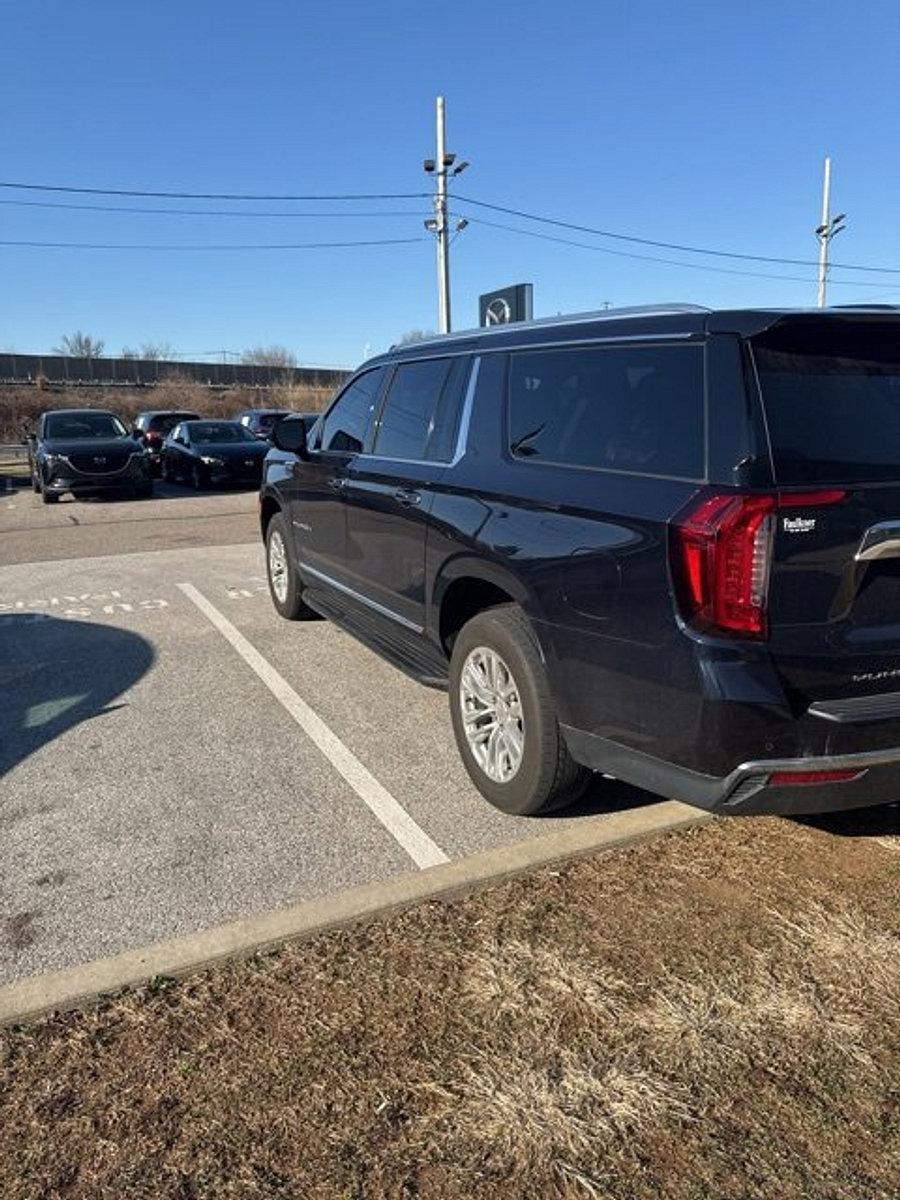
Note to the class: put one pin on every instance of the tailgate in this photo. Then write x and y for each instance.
(830, 389)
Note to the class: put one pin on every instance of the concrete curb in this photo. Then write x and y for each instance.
(30, 998)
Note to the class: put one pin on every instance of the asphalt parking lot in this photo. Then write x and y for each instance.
(174, 755)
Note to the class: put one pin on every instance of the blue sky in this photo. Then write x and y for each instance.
(696, 122)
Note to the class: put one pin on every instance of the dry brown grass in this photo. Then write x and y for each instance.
(711, 1015)
(20, 406)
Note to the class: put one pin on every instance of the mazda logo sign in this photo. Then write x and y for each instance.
(98, 462)
(498, 312)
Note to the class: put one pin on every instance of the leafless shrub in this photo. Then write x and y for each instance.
(79, 345)
(269, 356)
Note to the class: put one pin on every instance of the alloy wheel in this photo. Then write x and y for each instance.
(492, 714)
(278, 568)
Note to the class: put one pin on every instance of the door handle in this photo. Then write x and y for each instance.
(337, 482)
(408, 497)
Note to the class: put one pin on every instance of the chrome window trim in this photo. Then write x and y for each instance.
(373, 604)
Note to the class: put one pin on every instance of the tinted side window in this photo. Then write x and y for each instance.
(409, 408)
(625, 408)
(445, 424)
(346, 426)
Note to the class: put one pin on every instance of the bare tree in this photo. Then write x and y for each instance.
(415, 335)
(79, 345)
(152, 352)
(269, 356)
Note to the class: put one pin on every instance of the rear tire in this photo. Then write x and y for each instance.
(498, 684)
(285, 587)
(35, 483)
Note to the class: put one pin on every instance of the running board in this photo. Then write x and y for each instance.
(409, 652)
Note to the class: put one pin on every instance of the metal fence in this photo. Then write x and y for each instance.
(57, 368)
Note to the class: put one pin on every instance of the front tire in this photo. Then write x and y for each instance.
(198, 477)
(504, 717)
(49, 497)
(285, 587)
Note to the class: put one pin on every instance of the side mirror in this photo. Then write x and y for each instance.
(137, 435)
(289, 434)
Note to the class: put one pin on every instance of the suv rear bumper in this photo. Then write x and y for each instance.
(747, 788)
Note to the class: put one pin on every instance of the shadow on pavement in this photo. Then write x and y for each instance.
(883, 820)
(606, 796)
(162, 491)
(56, 673)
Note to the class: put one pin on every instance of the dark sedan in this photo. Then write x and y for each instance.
(85, 452)
(212, 452)
(152, 427)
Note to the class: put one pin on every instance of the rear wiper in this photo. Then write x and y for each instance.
(519, 445)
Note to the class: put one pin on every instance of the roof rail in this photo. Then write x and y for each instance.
(602, 314)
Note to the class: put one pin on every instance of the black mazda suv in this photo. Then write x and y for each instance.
(86, 452)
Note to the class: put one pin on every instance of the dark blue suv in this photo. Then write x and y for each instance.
(659, 544)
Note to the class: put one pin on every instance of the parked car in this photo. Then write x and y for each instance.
(153, 425)
(86, 452)
(260, 421)
(661, 545)
(212, 452)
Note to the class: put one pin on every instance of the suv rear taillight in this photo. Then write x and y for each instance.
(721, 555)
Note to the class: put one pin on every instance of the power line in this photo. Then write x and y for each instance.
(671, 262)
(88, 191)
(250, 246)
(367, 196)
(623, 237)
(198, 212)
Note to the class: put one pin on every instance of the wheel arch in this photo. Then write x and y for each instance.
(269, 505)
(466, 587)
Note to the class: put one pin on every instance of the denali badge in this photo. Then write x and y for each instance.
(875, 676)
(799, 524)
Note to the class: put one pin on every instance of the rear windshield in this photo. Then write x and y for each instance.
(831, 392)
(166, 421)
(207, 433)
(267, 420)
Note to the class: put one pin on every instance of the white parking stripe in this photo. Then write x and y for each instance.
(396, 820)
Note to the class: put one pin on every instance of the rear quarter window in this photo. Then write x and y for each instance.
(634, 409)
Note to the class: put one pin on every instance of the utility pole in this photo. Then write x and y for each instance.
(825, 232)
(442, 167)
(440, 213)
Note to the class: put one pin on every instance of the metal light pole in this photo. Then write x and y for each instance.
(825, 232)
(440, 213)
(442, 167)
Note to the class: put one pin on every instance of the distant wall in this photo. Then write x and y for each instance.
(57, 368)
